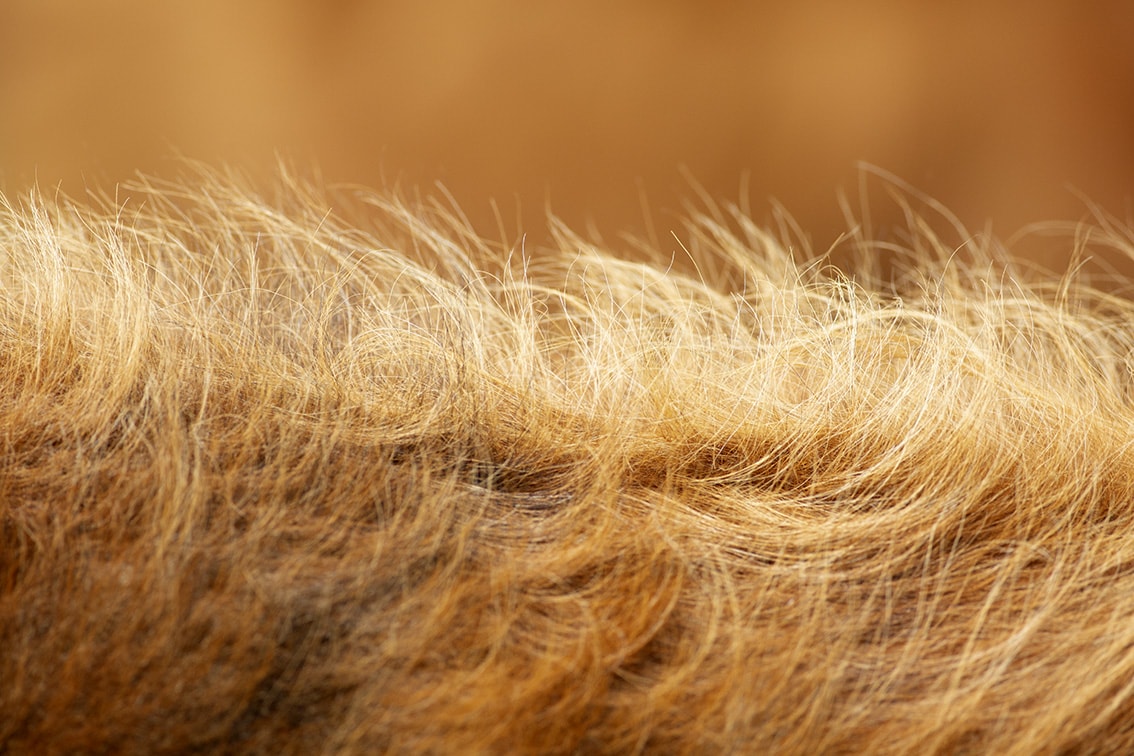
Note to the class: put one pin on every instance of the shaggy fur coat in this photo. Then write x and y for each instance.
(272, 481)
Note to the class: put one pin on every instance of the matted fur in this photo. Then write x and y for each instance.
(272, 482)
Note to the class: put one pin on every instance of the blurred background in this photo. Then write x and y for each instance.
(1006, 112)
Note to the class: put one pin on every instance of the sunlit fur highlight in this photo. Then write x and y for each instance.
(275, 481)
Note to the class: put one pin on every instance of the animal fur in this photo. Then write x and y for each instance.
(272, 481)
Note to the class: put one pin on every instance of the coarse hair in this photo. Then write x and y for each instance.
(276, 478)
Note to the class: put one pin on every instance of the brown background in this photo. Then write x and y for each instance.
(1003, 111)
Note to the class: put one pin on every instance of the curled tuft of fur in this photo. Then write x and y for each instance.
(271, 481)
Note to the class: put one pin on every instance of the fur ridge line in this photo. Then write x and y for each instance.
(276, 481)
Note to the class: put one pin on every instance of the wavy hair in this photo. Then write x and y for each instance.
(272, 480)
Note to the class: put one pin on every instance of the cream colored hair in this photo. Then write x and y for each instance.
(273, 481)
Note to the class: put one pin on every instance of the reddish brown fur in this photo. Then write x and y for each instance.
(271, 482)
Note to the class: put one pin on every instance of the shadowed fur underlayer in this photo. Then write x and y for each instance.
(273, 482)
